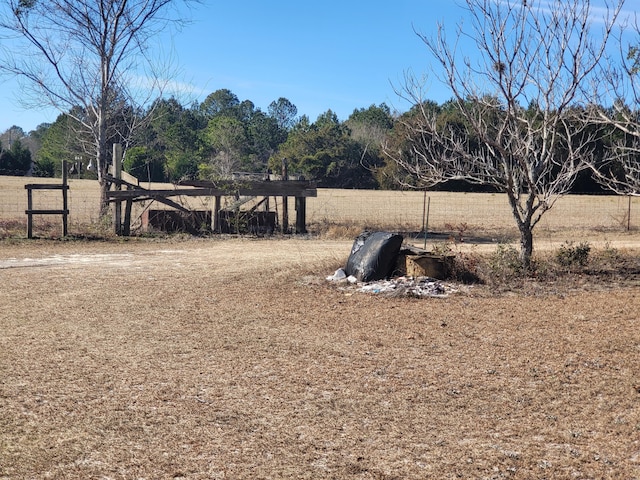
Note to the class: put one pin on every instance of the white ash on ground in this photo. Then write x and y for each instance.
(407, 287)
(404, 286)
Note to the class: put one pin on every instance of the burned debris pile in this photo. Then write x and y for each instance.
(380, 262)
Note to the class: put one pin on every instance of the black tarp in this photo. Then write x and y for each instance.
(373, 255)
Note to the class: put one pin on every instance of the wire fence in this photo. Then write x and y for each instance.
(446, 210)
(408, 211)
(82, 200)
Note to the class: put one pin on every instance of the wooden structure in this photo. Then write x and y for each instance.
(133, 192)
(417, 262)
(298, 189)
(64, 211)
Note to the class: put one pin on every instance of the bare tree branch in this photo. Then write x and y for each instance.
(520, 102)
(620, 171)
(87, 53)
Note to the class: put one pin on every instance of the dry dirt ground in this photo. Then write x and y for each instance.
(235, 359)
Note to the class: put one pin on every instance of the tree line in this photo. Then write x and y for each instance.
(372, 149)
(223, 135)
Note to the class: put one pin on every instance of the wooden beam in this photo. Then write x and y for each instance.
(28, 212)
(216, 215)
(285, 199)
(279, 188)
(65, 203)
(46, 186)
(35, 211)
(126, 229)
(170, 203)
(117, 169)
(213, 192)
(301, 215)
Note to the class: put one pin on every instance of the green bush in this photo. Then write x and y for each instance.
(505, 263)
(570, 255)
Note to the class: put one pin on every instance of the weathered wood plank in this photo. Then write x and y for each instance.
(46, 186)
(46, 212)
(277, 188)
(212, 192)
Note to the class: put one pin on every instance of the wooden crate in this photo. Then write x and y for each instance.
(425, 265)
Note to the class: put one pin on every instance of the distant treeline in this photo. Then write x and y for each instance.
(223, 135)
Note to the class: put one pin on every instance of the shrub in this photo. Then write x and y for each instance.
(570, 255)
(464, 267)
(505, 263)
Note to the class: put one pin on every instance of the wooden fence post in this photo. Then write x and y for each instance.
(285, 200)
(117, 174)
(216, 214)
(29, 214)
(65, 207)
(301, 215)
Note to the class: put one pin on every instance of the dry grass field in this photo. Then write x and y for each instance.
(234, 358)
(578, 218)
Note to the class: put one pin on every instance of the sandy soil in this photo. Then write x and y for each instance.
(219, 359)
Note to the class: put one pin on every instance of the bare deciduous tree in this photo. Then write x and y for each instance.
(520, 99)
(620, 88)
(620, 172)
(89, 54)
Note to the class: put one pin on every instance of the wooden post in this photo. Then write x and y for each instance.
(29, 214)
(117, 173)
(126, 228)
(65, 208)
(216, 214)
(285, 200)
(301, 215)
(425, 216)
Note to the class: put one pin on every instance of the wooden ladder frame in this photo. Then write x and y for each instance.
(30, 211)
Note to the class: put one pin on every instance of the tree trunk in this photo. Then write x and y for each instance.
(523, 220)
(526, 244)
(104, 203)
(102, 156)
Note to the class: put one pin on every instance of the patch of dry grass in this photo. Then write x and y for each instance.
(210, 358)
(458, 215)
(226, 357)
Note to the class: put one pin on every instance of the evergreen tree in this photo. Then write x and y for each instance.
(16, 160)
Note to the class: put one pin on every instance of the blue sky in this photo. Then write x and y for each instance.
(333, 54)
(336, 54)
